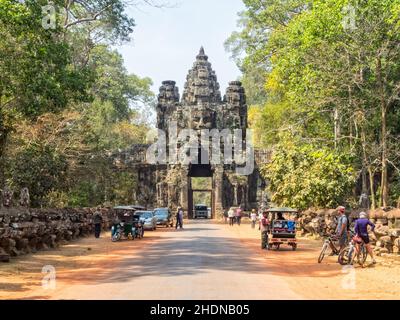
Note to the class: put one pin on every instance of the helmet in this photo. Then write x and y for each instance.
(363, 215)
(341, 209)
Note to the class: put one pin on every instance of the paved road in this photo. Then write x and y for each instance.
(203, 261)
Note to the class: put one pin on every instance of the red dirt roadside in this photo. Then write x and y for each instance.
(327, 280)
(203, 261)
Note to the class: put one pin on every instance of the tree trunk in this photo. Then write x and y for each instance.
(384, 178)
(364, 188)
(337, 126)
(371, 183)
(3, 140)
(367, 167)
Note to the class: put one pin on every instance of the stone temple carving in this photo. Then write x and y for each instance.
(200, 107)
(7, 195)
(24, 199)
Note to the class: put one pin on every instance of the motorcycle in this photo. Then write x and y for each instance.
(138, 228)
(122, 229)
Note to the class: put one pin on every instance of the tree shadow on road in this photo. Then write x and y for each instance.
(175, 256)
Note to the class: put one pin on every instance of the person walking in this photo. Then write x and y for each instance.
(260, 216)
(226, 216)
(231, 216)
(341, 230)
(253, 218)
(361, 231)
(179, 218)
(238, 215)
(98, 221)
(264, 228)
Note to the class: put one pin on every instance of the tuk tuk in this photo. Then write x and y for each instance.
(282, 230)
(126, 224)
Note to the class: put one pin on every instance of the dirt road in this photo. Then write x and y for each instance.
(203, 261)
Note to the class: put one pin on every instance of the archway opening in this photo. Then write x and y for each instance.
(200, 189)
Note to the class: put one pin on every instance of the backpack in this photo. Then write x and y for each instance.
(348, 223)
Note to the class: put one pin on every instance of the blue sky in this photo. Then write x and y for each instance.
(166, 41)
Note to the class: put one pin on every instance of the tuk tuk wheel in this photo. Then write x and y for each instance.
(116, 237)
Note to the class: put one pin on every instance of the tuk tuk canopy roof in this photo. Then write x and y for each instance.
(282, 210)
(134, 207)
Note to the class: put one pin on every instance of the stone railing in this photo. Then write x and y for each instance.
(24, 231)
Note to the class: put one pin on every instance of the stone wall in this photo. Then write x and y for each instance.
(385, 239)
(24, 231)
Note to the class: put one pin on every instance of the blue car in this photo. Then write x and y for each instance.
(149, 219)
(164, 217)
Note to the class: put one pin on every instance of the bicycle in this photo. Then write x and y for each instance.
(347, 255)
(328, 242)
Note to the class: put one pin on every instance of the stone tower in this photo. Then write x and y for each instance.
(202, 107)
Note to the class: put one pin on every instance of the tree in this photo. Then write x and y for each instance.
(338, 83)
(302, 176)
(37, 76)
(39, 168)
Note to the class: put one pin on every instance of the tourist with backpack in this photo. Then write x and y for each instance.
(342, 227)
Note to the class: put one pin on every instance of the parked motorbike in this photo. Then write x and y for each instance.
(122, 229)
(138, 229)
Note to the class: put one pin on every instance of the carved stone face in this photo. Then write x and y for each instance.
(203, 73)
(234, 97)
(202, 119)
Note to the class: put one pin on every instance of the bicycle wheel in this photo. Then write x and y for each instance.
(116, 237)
(322, 254)
(362, 256)
(345, 256)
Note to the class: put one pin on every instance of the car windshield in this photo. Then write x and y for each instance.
(202, 208)
(161, 213)
(145, 214)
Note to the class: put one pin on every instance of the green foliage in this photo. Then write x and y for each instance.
(302, 175)
(40, 169)
(325, 79)
(37, 76)
(67, 101)
(113, 83)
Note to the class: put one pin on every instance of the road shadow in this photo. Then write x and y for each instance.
(175, 256)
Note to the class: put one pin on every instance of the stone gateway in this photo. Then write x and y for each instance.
(201, 108)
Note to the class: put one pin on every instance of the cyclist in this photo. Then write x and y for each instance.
(341, 230)
(361, 231)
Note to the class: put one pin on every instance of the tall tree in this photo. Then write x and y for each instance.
(330, 62)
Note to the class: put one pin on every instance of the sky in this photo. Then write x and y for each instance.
(166, 41)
